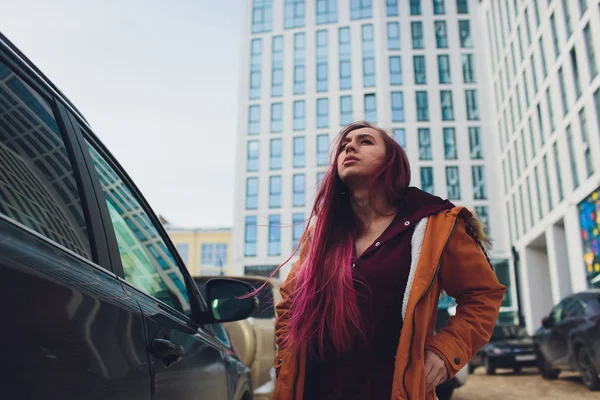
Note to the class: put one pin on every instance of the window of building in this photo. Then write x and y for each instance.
(415, 7)
(450, 149)
(548, 187)
(255, 68)
(320, 176)
(299, 152)
(479, 188)
(275, 191)
(254, 120)
(345, 110)
(252, 156)
(251, 193)
(597, 106)
(530, 201)
(439, 7)
(575, 72)
(345, 59)
(550, 109)
(395, 70)
(370, 104)
(323, 113)
(441, 35)
(453, 183)
(183, 250)
(322, 61)
(368, 56)
(536, 12)
(482, 213)
(298, 190)
(274, 235)
(397, 107)
(393, 29)
(427, 179)
(543, 58)
(462, 6)
(299, 63)
(322, 150)
(294, 14)
(250, 236)
(417, 35)
(213, 258)
(297, 229)
(468, 68)
(557, 163)
(475, 143)
(589, 162)
(582, 7)
(538, 193)
(541, 124)
(34, 190)
(262, 15)
(572, 159)
(392, 8)
(447, 105)
(555, 39)
(563, 92)
(589, 51)
(400, 136)
(526, 90)
(464, 30)
(360, 9)
(424, 144)
(422, 106)
(420, 70)
(567, 17)
(326, 11)
(534, 74)
(527, 26)
(276, 117)
(472, 105)
(299, 115)
(522, 203)
(444, 69)
(275, 156)
(277, 67)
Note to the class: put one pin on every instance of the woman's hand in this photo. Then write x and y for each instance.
(435, 371)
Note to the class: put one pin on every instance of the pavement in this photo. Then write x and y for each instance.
(527, 385)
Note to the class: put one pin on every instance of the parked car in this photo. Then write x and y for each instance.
(446, 389)
(254, 338)
(96, 302)
(509, 347)
(569, 338)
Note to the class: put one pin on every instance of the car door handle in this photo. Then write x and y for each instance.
(166, 351)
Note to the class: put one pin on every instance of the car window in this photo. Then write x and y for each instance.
(557, 313)
(37, 184)
(503, 332)
(147, 262)
(573, 309)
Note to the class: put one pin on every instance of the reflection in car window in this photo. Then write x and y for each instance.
(147, 262)
(573, 309)
(37, 185)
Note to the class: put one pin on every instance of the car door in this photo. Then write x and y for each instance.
(68, 330)
(559, 337)
(546, 336)
(186, 360)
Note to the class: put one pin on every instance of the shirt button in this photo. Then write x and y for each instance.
(377, 244)
(407, 223)
(457, 361)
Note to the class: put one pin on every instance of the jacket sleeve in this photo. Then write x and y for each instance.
(466, 274)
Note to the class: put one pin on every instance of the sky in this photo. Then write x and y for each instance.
(158, 82)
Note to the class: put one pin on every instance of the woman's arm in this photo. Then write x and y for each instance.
(466, 274)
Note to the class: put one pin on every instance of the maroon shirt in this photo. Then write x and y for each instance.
(367, 371)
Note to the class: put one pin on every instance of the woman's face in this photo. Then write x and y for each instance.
(363, 151)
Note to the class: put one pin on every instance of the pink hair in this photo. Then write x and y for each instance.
(324, 312)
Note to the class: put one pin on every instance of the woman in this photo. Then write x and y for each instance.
(358, 308)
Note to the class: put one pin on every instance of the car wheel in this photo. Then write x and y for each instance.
(444, 392)
(589, 375)
(489, 369)
(517, 370)
(471, 368)
(545, 368)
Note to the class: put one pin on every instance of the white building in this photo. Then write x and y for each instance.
(308, 67)
(544, 73)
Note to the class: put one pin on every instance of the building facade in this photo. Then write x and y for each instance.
(416, 68)
(204, 251)
(546, 115)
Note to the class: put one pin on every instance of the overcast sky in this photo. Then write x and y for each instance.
(157, 81)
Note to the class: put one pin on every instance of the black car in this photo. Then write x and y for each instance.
(95, 300)
(569, 338)
(509, 347)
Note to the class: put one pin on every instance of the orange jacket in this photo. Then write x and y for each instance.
(444, 257)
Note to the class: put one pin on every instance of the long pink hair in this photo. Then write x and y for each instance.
(324, 312)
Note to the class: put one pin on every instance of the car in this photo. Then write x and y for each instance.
(97, 304)
(569, 338)
(509, 347)
(445, 391)
(254, 338)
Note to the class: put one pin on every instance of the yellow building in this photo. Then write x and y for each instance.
(205, 251)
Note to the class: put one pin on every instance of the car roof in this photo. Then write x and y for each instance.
(254, 278)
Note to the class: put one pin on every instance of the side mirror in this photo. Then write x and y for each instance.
(227, 301)
(547, 323)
